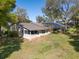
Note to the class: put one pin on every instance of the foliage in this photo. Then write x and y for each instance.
(6, 6)
(13, 18)
(12, 34)
(40, 19)
(22, 15)
(28, 21)
(60, 8)
(75, 18)
(72, 30)
(9, 46)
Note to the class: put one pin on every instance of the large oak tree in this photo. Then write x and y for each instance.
(6, 6)
(60, 8)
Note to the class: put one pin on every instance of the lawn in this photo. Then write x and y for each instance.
(53, 46)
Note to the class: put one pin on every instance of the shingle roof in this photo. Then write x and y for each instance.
(33, 26)
(56, 25)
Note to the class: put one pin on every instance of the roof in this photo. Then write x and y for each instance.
(56, 25)
(33, 26)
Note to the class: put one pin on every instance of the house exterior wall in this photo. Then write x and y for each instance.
(30, 35)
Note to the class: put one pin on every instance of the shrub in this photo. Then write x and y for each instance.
(12, 33)
(72, 30)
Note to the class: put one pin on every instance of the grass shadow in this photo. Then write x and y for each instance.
(55, 32)
(75, 42)
(9, 46)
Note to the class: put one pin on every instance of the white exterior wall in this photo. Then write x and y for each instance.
(32, 36)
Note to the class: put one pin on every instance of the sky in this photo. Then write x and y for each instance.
(33, 7)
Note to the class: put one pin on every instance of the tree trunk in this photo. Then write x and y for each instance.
(0, 33)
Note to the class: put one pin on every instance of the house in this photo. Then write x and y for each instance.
(55, 26)
(32, 30)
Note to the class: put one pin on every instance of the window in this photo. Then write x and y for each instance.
(43, 31)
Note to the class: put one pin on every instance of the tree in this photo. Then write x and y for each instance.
(13, 18)
(22, 15)
(40, 19)
(75, 18)
(60, 8)
(6, 6)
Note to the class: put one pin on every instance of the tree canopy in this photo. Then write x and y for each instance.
(6, 6)
(22, 15)
(60, 8)
(40, 19)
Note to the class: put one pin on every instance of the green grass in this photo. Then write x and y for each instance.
(53, 46)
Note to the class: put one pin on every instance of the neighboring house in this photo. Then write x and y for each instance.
(57, 26)
(29, 29)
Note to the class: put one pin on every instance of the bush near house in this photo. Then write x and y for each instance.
(71, 30)
(12, 34)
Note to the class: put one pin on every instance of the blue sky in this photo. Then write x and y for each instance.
(33, 7)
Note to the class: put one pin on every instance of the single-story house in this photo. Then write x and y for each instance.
(28, 30)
